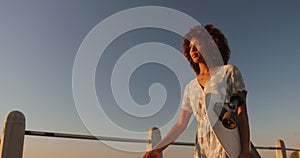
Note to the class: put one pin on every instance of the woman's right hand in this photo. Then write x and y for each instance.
(152, 154)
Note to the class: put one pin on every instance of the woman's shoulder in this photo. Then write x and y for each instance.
(230, 68)
(192, 83)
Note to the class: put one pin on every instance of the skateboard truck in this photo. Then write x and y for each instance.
(228, 115)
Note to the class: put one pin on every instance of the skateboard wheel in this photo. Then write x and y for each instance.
(229, 120)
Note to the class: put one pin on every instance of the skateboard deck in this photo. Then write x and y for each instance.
(223, 120)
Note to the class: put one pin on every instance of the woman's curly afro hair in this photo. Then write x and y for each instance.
(199, 33)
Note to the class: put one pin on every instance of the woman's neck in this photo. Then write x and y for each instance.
(203, 68)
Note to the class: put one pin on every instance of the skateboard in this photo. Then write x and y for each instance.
(222, 117)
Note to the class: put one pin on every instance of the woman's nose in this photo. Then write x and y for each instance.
(193, 49)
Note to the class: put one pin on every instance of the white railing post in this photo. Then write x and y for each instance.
(280, 153)
(154, 137)
(12, 138)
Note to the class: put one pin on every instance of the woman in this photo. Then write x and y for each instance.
(216, 76)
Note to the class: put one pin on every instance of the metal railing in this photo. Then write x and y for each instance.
(13, 133)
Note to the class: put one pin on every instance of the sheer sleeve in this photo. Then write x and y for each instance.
(238, 84)
(186, 104)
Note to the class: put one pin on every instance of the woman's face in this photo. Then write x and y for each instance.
(195, 51)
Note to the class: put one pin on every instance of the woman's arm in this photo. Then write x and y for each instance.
(244, 130)
(172, 135)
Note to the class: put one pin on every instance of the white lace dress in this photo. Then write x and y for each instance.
(222, 83)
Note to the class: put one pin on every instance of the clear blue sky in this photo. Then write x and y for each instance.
(39, 41)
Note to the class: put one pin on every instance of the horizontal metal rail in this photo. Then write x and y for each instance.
(90, 137)
(78, 136)
(275, 148)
